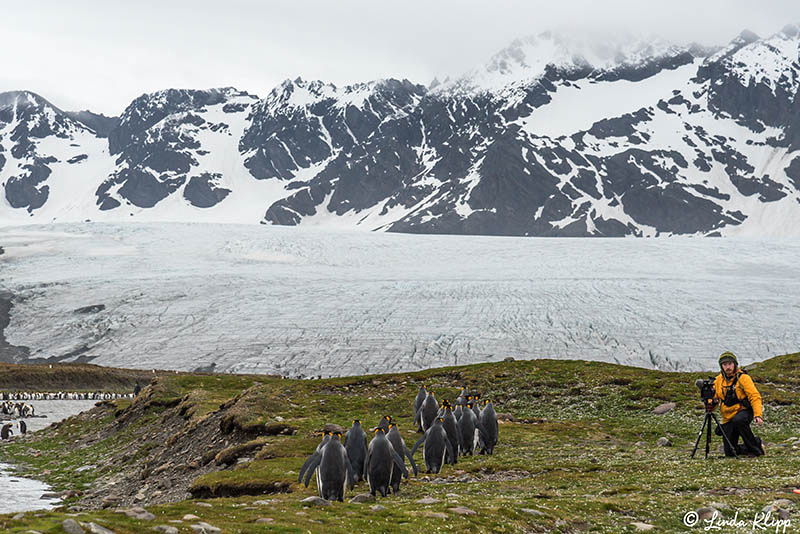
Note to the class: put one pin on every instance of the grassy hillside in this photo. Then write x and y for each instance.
(579, 455)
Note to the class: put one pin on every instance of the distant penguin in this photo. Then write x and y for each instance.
(306, 468)
(335, 473)
(462, 397)
(466, 430)
(451, 428)
(436, 447)
(23, 427)
(476, 406)
(428, 411)
(385, 422)
(402, 451)
(355, 442)
(421, 394)
(6, 432)
(382, 459)
(487, 428)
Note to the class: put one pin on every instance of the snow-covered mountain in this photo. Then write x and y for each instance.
(554, 135)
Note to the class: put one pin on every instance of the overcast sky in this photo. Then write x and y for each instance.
(101, 54)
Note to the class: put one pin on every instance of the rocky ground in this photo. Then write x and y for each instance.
(583, 446)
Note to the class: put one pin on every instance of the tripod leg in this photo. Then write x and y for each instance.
(708, 433)
(699, 435)
(724, 435)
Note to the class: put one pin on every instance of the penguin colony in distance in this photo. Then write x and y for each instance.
(18, 409)
(447, 432)
(62, 395)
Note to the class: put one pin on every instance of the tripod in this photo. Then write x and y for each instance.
(711, 416)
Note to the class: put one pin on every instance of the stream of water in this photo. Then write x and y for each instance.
(18, 494)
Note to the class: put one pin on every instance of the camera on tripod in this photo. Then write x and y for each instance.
(707, 391)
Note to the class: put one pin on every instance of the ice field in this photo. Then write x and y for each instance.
(308, 302)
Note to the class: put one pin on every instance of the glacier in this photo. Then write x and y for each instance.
(303, 301)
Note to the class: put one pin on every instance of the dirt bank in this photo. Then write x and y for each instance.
(71, 377)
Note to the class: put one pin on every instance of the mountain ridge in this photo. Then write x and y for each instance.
(638, 138)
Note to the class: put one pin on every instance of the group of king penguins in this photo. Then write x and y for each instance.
(15, 409)
(62, 395)
(447, 432)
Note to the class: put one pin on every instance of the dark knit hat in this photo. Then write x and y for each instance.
(728, 356)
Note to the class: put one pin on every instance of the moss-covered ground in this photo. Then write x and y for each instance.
(579, 455)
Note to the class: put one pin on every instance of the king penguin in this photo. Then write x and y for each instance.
(421, 394)
(402, 451)
(381, 461)
(428, 411)
(355, 442)
(487, 428)
(466, 430)
(436, 447)
(335, 471)
(451, 428)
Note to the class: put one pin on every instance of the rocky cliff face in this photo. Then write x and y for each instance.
(554, 136)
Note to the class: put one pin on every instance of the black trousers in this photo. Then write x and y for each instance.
(739, 426)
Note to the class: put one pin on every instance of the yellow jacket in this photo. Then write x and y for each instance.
(745, 389)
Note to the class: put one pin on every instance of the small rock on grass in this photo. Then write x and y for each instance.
(205, 528)
(638, 525)
(190, 517)
(264, 520)
(363, 497)
(166, 529)
(661, 409)
(203, 504)
(427, 500)
(377, 507)
(139, 513)
(315, 501)
(94, 528)
(71, 526)
(461, 510)
(784, 503)
(435, 515)
(664, 442)
(776, 510)
(531, 511)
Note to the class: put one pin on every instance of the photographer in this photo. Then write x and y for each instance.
(740, 404)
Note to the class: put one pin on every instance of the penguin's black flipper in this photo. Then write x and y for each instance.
(351, 474)
(411, 459)
(365, 470)
(418, 418)
(317, 458)
(482, 435)
(399, 463)
(450, 451)
(418, 443)
(305, 466)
